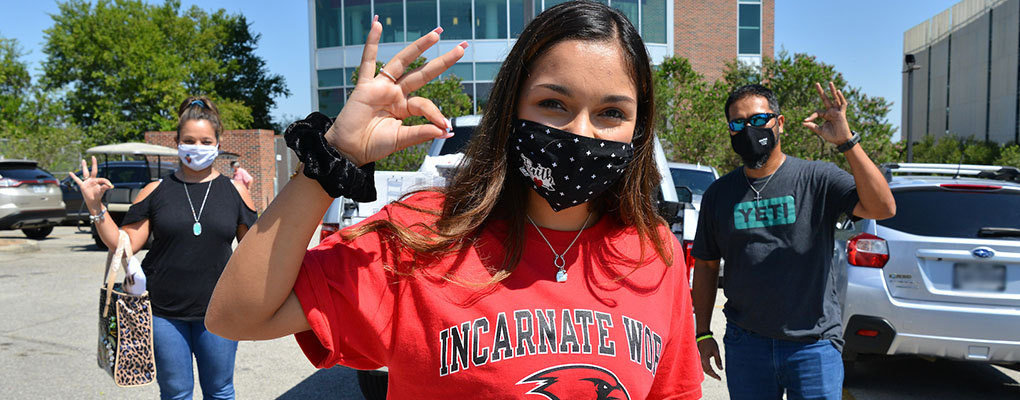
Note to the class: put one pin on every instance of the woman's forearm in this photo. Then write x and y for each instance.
(261, 273)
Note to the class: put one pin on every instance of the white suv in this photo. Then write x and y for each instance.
(696, 178)
(942, 277)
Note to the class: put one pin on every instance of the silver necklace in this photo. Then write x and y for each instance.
(559, 262)
(757, 192)
(197, 227)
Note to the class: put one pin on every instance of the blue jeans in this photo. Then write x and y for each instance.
(758, 367)
(174, 341)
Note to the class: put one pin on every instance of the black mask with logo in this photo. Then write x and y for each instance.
(566, 169)
(754, 145)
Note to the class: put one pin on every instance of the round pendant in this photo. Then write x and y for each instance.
(197, 228)
(561, 276)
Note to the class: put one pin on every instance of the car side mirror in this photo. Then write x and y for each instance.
(684, 194)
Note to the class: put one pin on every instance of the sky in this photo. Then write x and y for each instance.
(863, 39)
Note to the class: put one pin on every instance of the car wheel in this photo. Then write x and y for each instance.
(37, 233)
(373, 384)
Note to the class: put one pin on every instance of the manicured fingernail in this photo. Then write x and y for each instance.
(375, 18)
(449, 125)
(438, 29)
(463, 44)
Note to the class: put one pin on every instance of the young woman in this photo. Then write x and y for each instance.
(542, 268)
(194, 216)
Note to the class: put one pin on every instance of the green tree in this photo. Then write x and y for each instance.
(125, 66)
(446, 93)
(15, 80)
(247, 79)
(1009, 156)
(689, 120)
(792, 78)
(33, 123)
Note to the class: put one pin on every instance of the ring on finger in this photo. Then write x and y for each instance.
(387, 74)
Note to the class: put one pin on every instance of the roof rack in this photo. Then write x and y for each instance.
(996, 172)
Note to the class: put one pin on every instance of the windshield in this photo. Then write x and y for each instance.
(23, 174)
(695, 180)
(945, 213)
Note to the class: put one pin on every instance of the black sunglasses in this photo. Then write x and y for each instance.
(756, 120)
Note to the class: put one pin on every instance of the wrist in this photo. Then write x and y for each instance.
(332, 137)
(849, 143)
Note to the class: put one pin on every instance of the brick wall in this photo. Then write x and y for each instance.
(705, 32)
(256, 154)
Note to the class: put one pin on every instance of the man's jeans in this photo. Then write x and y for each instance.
(758, 367)
(174, 342)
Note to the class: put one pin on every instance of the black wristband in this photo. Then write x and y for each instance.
(337, 175)
(849, 144)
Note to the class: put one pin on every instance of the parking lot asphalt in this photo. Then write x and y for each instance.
(48, 343)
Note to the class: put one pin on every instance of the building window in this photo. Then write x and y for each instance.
(653, 21)
(391, 15)
(357, 21)
(482, 89)
(490, 19)
(749, 29)
(628, 8)
(331, 77)
(486, 71)
(327, 23)
(331, 101)
(460, 70)
(517, 13)
(424, 21)
(455, 18)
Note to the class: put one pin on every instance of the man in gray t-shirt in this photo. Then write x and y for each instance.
(773, 221)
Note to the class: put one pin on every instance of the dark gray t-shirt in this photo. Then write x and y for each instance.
(779, 278)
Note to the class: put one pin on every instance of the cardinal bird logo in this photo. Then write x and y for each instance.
(187, 158)
(576, 381)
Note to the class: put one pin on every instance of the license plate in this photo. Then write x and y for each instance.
(979, 277)
(38, 188)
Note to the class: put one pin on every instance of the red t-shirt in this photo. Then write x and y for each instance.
(591, 335)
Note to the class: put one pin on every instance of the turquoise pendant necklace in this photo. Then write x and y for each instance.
(197, 227)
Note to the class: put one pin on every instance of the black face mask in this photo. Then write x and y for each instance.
(754, 145)
(566, 169)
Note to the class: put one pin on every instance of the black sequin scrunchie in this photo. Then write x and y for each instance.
(336, 174)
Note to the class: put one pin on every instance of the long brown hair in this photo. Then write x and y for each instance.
(485, 187)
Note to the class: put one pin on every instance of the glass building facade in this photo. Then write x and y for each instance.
(490, 26)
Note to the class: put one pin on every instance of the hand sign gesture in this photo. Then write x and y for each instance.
(835, 129)
(92, 187)
(370, 126)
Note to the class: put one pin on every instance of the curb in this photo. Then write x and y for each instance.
(18, 246)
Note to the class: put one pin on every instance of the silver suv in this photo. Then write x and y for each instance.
(942, 277)
(29, 199)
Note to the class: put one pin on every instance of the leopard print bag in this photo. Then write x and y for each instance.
(125, 326)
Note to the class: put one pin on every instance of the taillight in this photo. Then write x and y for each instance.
(49, 181)
(328, 229)
(9, 182)
(867, 332)
(688, 258)
(867, 250)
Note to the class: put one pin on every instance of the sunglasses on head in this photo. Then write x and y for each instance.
(756, 120)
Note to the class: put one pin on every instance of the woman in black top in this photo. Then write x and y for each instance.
(194, 215)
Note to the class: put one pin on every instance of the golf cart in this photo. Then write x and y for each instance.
(129, 175)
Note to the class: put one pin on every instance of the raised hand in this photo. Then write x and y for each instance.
(835, 129)
(370, 126)
(92, 187)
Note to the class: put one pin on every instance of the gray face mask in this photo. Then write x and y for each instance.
(754, 145)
